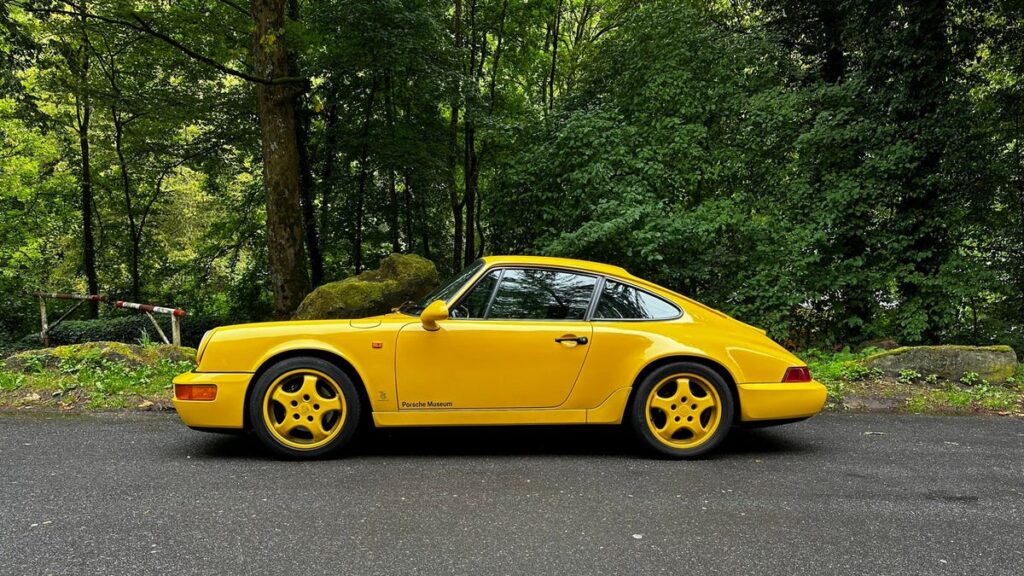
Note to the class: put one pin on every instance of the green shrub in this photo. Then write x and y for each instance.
(842, 366)
(971, 379)
(908, 376)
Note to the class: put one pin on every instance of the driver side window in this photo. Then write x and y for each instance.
(527, 294)
(474, 303)
(539, 294)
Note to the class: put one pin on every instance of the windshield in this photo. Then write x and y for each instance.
(444, 292)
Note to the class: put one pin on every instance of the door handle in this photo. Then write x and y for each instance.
(577, 339)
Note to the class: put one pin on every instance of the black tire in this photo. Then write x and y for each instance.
(282, 378)
(675, 410)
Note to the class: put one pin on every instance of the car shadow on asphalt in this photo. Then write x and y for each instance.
(603, 441)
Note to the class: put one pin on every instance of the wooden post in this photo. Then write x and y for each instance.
(157, 326)
(43, 336)
(176, 329)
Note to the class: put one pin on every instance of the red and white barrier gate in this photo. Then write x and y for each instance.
(148, 309)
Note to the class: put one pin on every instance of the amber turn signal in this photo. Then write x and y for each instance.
(195, 391)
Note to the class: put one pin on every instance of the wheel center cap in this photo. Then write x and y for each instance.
(304, 409)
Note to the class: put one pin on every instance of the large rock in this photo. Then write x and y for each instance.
(401, 277)
(993, 363)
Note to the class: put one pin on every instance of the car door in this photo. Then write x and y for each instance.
(517, 339)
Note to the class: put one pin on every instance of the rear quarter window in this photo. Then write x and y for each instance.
(624, 302)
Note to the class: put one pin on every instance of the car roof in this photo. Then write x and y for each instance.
(572, 263)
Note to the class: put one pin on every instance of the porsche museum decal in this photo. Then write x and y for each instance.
(428, 404)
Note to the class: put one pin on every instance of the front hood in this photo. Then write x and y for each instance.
(317, 326)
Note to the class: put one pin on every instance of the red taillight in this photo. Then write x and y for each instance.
(195, 391)
(797, 374)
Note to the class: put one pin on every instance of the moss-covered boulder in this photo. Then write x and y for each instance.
(96, 352)
(401, 277)
(993, 363)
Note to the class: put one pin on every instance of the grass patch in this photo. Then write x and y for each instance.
(840, 372)
(851, 385)
(90, 377)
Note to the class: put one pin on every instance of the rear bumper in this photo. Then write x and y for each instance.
(778, 401)
(227, 411)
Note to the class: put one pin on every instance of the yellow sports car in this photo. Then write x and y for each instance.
(510, 340)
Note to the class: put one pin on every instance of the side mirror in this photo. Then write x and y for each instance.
(437, 310)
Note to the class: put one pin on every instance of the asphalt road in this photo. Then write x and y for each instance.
(839, 494)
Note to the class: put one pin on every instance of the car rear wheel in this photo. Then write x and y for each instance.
(682, 410)
(304, 408)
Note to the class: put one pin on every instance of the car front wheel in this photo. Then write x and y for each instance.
(682, 410)
(304, 408)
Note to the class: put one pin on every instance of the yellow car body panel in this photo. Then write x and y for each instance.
(498, 372)
(226, 411)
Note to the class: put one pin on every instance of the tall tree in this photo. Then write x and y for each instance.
(281, 179)
(83, 121)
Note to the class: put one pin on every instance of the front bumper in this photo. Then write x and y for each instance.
(780, 401)
(226, 411)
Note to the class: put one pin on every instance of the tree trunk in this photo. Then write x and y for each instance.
(834, 67)
(281, 161)
(554, 55)
(393, 209)
(126, 183)
(83, 107)
(453, 136)
(329, 153)
(479, 230)
(306, 191)
(469, 143)
(472, 178)
(407, 212)
(424, 229)
(88, 241)
(497, 55)
(364, 173)
(306, 196)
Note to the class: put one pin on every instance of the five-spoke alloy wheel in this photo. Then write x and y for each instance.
(304, 407)
(682, 410)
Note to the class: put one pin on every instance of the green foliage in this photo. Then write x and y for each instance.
(956, 399)
(849, 382)
(837, 367)
(1018, 376)
(98, 384)
(832, 172)
(840, 370)
(908, 376)
(971, 379)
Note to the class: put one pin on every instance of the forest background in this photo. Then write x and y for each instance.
(834, 172)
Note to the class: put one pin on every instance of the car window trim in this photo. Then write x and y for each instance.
(595, 298)
(679, 309)
(494, 293)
